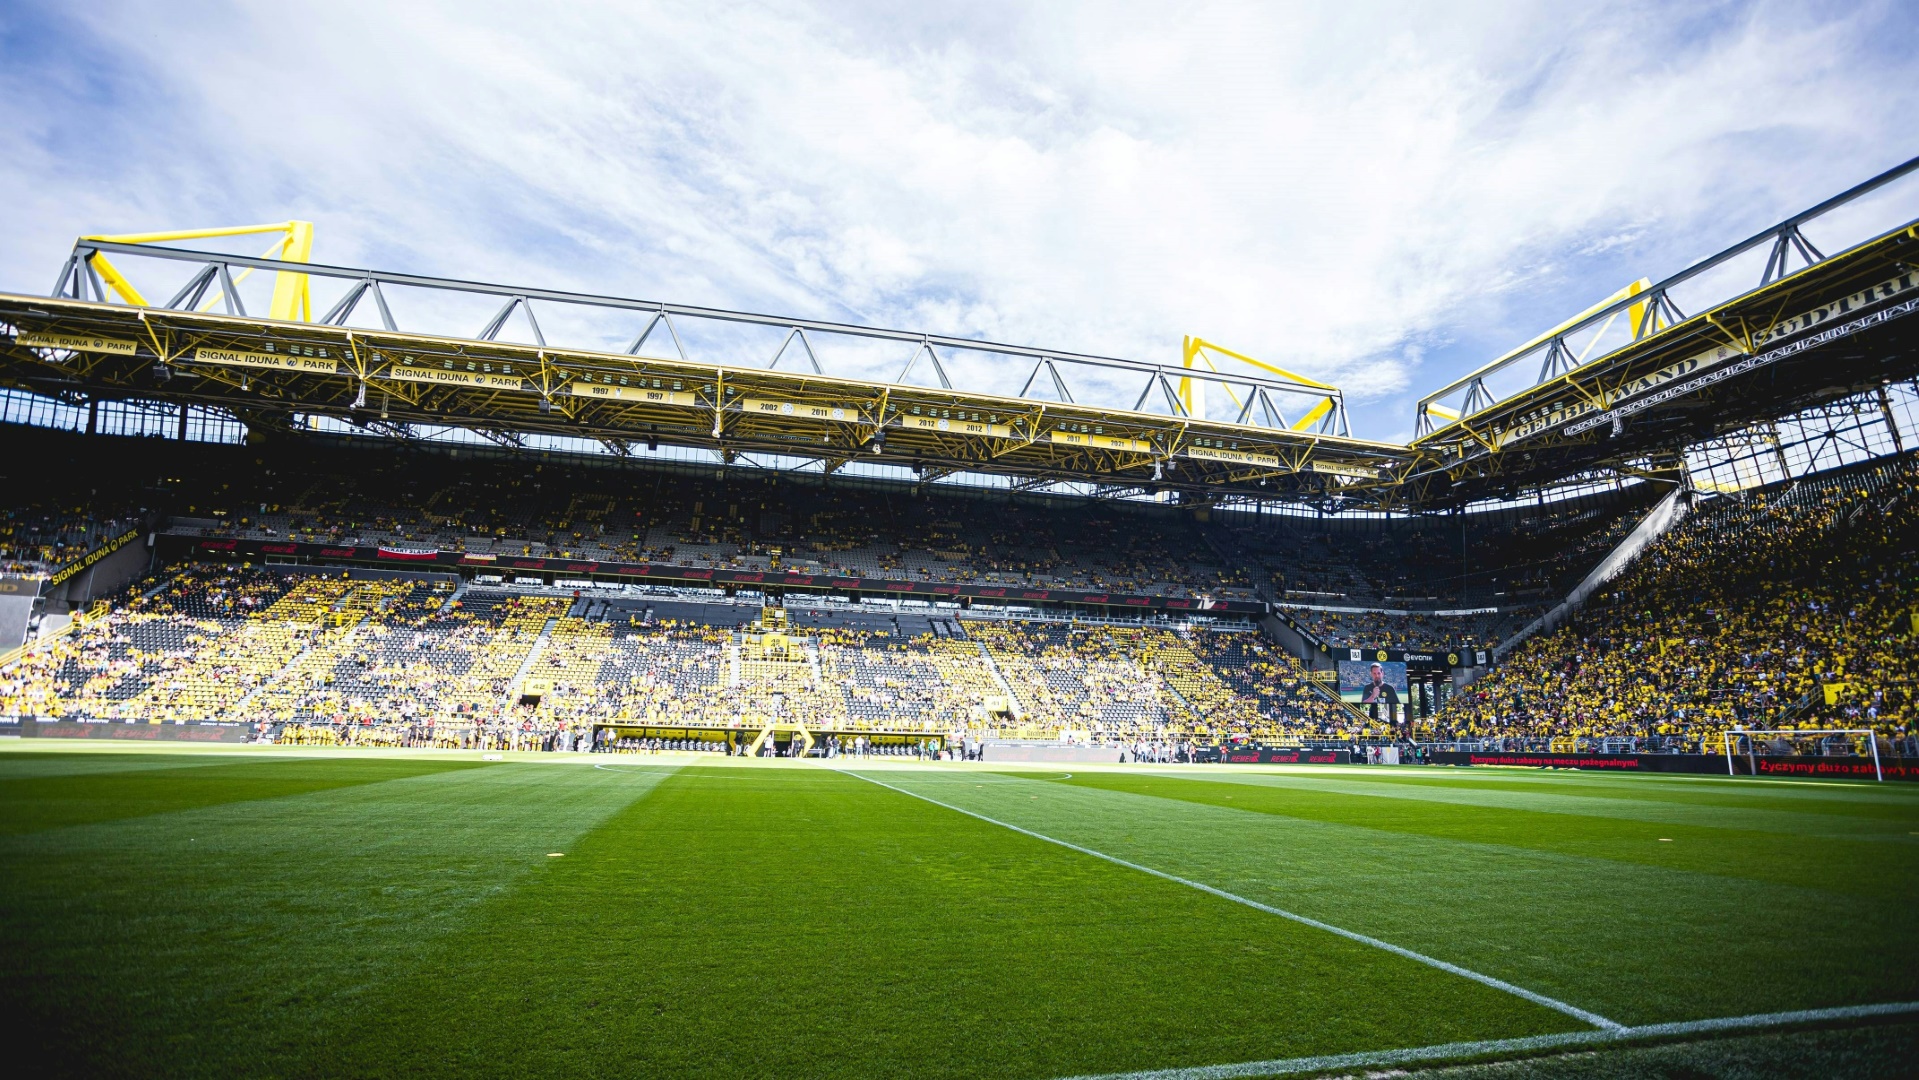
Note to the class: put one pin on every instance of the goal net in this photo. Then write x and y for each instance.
(1750, 746)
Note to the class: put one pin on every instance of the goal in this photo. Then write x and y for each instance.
(1823, 742)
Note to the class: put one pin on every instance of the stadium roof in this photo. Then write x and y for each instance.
(1657, 379)
(1834, 327)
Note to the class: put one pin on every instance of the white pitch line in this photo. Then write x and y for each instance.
(1574, 1011)
(1452, 1051)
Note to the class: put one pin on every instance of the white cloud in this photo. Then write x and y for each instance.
(1340, 191)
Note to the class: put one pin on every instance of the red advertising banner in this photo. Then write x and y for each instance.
(74, 729)
(1248, 755)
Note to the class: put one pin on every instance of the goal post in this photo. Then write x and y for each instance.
(1812, 742)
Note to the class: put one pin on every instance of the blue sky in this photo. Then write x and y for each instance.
(1381, 196)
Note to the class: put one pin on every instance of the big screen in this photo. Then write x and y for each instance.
(1372, 682)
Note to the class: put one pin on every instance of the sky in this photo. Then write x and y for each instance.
(1382, 197)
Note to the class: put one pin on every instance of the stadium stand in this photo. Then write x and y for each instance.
(1273, 680)
(38, 539)
(399, 661)
(50, 519)
(178, 652)
(1466, 580)
(1381, 581)
(1783, 606)
(1789, 606)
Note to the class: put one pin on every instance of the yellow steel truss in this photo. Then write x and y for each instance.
(1194, 350)
(291, 302)
(264, 368)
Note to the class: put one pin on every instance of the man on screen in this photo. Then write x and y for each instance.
(1379, 691)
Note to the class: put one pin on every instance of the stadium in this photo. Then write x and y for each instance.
(417, 675)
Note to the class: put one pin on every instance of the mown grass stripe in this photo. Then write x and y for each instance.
(241, 938)
(1868, 822)
(811, 924)
(38, 803)
(1498, 984)
(1526, 1045)
(1862, 862)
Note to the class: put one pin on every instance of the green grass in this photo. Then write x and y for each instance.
(34, 803)
(200, 913)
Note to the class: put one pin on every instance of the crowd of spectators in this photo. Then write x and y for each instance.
(398, 661)
(1786, 606)
(1790, 606)
(1402, 629)
(1514, 559)
(1508, 557)
(1283, 692)
(197, 641)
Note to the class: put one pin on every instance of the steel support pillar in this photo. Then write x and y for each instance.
(1885, 410)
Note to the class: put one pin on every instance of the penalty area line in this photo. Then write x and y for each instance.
(1494, 1047)
(1573, 1011)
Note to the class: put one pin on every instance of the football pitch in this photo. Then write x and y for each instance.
(330, 913)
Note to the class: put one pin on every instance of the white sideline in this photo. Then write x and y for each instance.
(1498, 984)
(1449, 1051)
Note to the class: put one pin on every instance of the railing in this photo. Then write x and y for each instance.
(80, 620)
(1794, 710)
